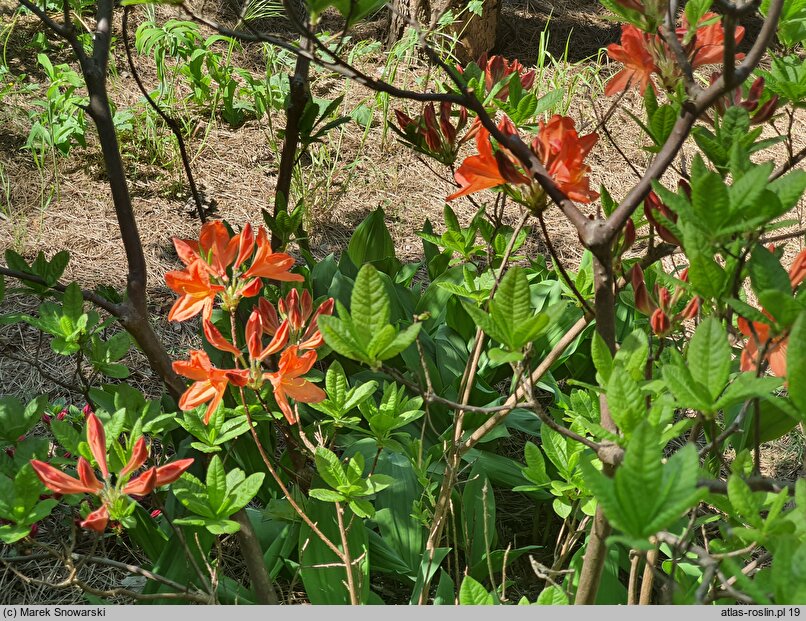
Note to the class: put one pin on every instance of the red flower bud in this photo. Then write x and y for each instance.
(643, 302)
(404, 120)
(691, 309)
(156, 513)
(431, 132)
(445, 122)
(659, 322)
(143, 484)
(664, 297)
(34, 530)
(652, 206)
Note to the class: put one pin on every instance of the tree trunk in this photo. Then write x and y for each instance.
(475, 34)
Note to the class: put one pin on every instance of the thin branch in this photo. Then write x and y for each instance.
(171, 122)
(90, 296)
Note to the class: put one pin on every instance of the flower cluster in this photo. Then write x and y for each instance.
(659, 307)
(761, 344)
(223, 265)
(435, 135)
(496, 68)
(760, 113)
(558, 147)
(644, 54)
(114, 496)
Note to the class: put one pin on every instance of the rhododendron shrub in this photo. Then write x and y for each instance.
(356, 422)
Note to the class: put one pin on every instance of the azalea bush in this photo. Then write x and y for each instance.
(347, 422)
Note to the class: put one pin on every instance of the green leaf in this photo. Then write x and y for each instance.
(627, 404)
(473, 593)
(73, 302)
(216, 483)
(535, 469)
(633, 353)
(748, 189)
(709, 196)
(766, 272)
(744, 500)
(338, 334)
(601, 356)
(330, 468)
(645, 495)
(709, 356)
(688, 392)
(796, 363)
(553, 595)
(369, 304)
(512, 306)
(372, 243)
(401, 342)
(336, 383)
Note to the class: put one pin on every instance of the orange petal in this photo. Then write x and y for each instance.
(138, 458)
(97, 520)
(96, 438)
(57, 481)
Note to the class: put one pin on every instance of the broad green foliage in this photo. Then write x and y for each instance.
(364, 333)
(222, 494)
(647, 495)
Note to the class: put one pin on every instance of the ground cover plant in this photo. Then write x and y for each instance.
(352, 428)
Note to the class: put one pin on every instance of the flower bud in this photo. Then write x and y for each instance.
(659, 322)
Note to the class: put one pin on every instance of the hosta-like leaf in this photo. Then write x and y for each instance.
(369, 304)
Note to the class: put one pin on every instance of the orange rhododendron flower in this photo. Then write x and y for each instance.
(638, 63)
(563, 153)
(288, 383)
(481, 172)
(109, 493)
(557, 145)
(196, 290)
(708, 45)
(209, 383)
(270, 264)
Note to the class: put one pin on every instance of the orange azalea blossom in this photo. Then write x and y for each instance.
(563, 153)
(197, 292)
(209, 383)
(557, 145)
(215, 265)
(270, 264)
(635, 55)
(288, 383)
(708, 45)
(758, 332)
(480, 172)
(109, 494)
